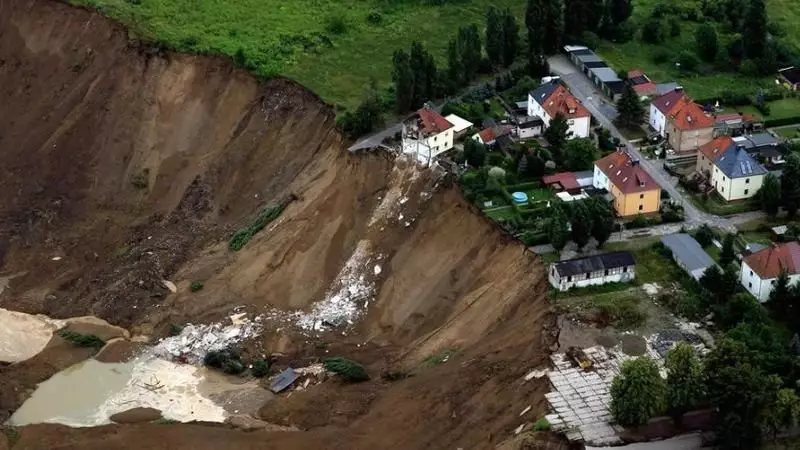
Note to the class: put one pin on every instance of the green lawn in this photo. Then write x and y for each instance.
(294, 38)
(789, 132)
(653, 267)
(778, 109)
(503, 212)
(718, 206)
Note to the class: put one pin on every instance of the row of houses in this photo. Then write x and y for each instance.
(758, 273)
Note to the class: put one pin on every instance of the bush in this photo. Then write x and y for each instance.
(688, 61)
(233, 367)
(336, 25)
(174, 330)
(141, 179)
(638, 393)
(782, 121)
(375, 18)
(590, 39)
(350, 371)
(260, 368)
(542, 425)
(82, 340)
(195, 286)
(241, 237)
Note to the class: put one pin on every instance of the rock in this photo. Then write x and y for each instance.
(137, 415)
(248, 423)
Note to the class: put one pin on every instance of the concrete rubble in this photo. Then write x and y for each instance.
(580, 398)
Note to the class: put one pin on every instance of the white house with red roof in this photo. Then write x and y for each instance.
(660, 107)
(761, 269)
(551, 99)
(427, 134)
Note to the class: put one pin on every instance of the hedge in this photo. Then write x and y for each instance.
(769, 123)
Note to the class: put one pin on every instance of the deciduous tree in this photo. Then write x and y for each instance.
(754, 32)
(727, 255)
(620, 10)
(790, 184)
(494, 36)
(581, 224)
(557, 135)
(770, 195)
(424, 69)
(557, 229)
(706, 40)
(637, 393)
(602, 220)
(403, 78)
(475, 153)
(469, 45)
(510, 38)
(580, 154)
(685, 386)
(784, 412)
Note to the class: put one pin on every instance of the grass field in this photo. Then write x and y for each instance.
(302, 39)
(789, 132)
(778, 109)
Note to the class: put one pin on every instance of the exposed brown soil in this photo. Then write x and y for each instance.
(135, 166)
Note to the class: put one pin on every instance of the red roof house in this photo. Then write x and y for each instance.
(641, 83)
(432, 122)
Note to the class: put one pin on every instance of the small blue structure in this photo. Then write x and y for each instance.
(520, 198)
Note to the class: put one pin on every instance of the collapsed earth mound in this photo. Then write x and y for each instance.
(125, 170)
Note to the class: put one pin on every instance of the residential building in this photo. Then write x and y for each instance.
(614, 267)
(688, 254)
(736, 175)
(529, 128)
(761, 269)
(659, 108)
(551, 99)
(710, 152)
(688, 126)
(641, 83)
(633, 189)
(460, 125)
(790, 77)
(427, 133)
(486, 136)
(762, 146)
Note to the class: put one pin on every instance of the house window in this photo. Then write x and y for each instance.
(606, 274)
(747, 181)
(588, 275)
(641, 195)
(624, 269)
(435, 137)
(746, 191)
(723, 179)
(749, 285)
(723, 188)
(751, 273)
(641, 207)
(569, 278)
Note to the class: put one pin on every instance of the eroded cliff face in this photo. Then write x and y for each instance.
(122, 166)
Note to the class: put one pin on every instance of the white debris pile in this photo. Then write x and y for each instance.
(195, 341)
(350, 296)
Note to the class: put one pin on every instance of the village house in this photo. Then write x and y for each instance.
(461, 126)
(736, 175)
(659, 108)
(551, 99)
(427, 133)
(529, 128)
(633, 189)
(614, 267)
(710, 152)
(688, 127)
(761, 269)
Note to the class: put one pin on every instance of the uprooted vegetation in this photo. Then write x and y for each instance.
(82, 340)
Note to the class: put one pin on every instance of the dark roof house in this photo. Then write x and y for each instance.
(737, 163)
(791, 75)
(665, 102)
(594, 263)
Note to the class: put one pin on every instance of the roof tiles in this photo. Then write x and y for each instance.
(771, 261)
(625, 173)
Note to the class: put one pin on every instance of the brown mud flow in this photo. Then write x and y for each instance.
(122, 166)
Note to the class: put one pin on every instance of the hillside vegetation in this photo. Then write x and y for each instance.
(331, 47)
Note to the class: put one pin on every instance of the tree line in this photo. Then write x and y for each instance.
(775, 193)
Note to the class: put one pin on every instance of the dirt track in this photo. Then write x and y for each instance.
(86, 112)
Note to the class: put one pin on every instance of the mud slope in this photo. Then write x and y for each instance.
(122, 165)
